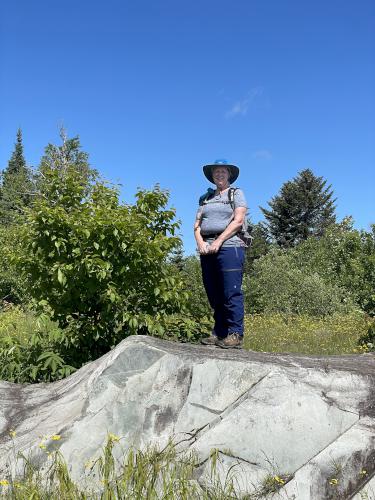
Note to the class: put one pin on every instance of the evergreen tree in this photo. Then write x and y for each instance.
(176, 257)
(16, 186)
(17, 161)
(304, 207)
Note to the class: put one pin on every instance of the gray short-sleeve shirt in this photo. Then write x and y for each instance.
(216, 214)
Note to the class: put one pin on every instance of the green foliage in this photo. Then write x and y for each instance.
(367, 341)
(318, 277)
(280, 285)
(63, 160)
(30, 348)
(13, 287)
(176, 258)
(303, 208)
(15, 195)
(196, 321)
(17, 161)
(186, 328)
(198, 305)
(330, 335)
(16, 186)
(344, 257)
(260, 246)
(99, 266)
(272, 483)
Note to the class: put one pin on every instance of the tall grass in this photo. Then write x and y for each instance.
(150, 474)
(336, 334)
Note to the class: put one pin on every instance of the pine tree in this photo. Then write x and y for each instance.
(176, 257)
(16, 185)
(304, 207)
(17, 161)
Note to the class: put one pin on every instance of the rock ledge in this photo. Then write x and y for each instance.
(309, 418)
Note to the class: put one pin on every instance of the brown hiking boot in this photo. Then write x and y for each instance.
(232, 341)
(211, 340)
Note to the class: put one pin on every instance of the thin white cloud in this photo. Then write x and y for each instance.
(241, 107)
(262, 154)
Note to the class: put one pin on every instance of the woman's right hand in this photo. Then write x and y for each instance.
(203, 248)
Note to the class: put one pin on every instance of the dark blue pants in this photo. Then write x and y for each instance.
(222, 278)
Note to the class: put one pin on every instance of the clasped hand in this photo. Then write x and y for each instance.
(207, 249)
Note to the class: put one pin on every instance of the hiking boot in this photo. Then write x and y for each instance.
(232, 341)
(211, 340)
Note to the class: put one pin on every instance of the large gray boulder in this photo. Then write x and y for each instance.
(309, 420)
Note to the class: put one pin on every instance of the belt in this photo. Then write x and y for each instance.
(209, 236)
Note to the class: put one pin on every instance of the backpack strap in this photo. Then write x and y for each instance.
(210, 192)
(231, 192)
(244, 232)
(205, 196)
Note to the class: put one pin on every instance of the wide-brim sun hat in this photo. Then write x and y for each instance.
(234, 171)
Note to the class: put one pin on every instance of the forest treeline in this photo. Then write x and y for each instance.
(80, 269)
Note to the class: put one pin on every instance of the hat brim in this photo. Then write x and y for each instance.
(234, 172)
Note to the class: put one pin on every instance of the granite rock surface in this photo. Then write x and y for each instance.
(309, 420)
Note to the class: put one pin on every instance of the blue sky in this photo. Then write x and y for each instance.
(155, 89)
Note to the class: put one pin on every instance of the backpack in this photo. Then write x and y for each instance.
(244, 232)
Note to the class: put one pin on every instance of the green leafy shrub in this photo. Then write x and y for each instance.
(343, 257)
(98, 266)
(367, 341)
(196, 321)
(334, 273)
(280, 285)
(197, 305)
(31, 347)
(13, 287)
(186, 328)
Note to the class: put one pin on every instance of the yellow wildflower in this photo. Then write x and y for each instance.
(56, 437)
(4, 482)
(334, 481)
(12, 433)
(279, 480)
(113, 437)
(42, 446)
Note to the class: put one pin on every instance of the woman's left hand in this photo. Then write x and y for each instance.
(214, 247)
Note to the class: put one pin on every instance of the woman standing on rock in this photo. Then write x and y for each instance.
(217, 231)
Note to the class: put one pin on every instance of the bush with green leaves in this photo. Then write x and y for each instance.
(196, 322)
(13, 287)
(319, 276)
(279, 285)
(345, 257)
(367, 341)
(30, 347)
(186, 327)
(97, 265)
(198, 303)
